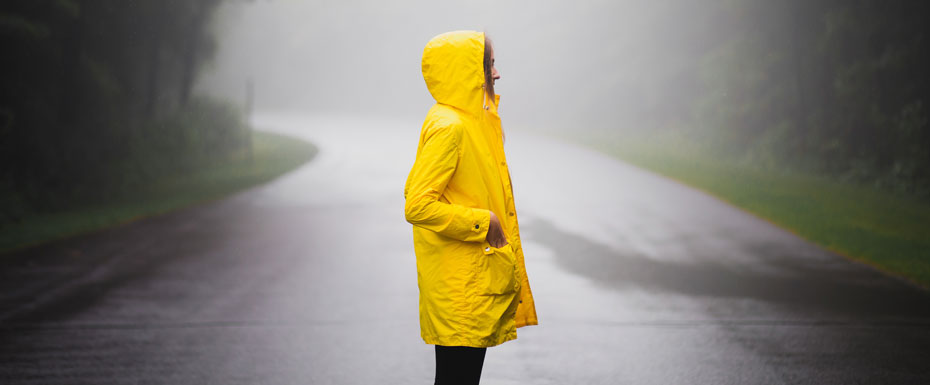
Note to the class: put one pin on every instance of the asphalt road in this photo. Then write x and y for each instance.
(311, 279)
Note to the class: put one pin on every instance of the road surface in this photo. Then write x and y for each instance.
(311, 279)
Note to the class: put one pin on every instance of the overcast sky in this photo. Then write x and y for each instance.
(588, 63)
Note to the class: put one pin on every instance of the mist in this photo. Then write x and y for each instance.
(224, 191)
(565, 65)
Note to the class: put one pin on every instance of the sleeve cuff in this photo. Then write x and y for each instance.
(479, 225)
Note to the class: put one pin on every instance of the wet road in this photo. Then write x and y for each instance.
(311, 279)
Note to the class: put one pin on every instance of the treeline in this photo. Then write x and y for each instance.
(833, 87)
(96, 99)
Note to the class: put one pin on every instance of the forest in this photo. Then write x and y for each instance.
(97, 95)
(837, 88)
(97, 100)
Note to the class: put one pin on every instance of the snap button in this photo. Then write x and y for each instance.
(477, 227)
(511, 214)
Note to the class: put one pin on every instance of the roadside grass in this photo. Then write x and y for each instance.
(886, 231)
(272, 156)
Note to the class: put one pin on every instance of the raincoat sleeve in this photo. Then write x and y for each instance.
(435, 164)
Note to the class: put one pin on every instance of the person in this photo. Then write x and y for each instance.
(474, 290)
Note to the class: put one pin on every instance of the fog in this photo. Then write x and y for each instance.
(709, 192)
(564, 65)
(828, 88)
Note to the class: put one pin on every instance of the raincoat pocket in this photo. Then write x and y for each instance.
(497, 271)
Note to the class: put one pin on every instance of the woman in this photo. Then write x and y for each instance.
(474, 291)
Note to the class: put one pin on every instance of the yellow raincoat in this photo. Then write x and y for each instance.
(471, 294)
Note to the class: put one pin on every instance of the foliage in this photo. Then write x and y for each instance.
(836, 88)
(96, 98)
(273, 155)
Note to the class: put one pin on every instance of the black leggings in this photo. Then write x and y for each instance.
(459, 365)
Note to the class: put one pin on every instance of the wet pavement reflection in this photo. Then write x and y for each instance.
(311, 278)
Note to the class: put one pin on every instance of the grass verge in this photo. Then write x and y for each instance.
(272, 156)
(886, 231)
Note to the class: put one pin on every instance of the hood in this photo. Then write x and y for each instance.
(453, 68)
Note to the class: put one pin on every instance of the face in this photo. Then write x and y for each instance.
(494, 74)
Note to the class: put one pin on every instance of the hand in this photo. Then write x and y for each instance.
(496, 235)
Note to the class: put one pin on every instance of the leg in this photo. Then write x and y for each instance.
(459, 365)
